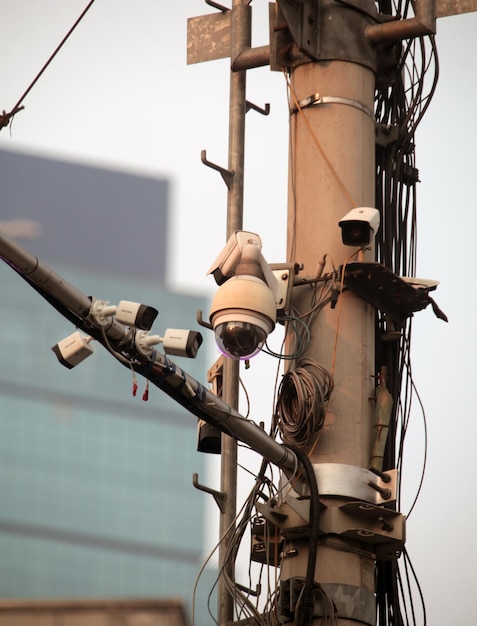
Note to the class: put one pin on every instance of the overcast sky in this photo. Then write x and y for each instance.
(121, 95)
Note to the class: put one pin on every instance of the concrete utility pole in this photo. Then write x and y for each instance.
(333, 65)
(331, 172)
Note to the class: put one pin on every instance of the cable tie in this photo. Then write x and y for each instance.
(151, 363)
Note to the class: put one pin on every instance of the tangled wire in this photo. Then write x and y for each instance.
(302, 400)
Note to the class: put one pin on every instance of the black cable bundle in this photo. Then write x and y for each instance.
(400, 103)
(303, 396)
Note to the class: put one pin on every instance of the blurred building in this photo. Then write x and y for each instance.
(92, 613)
(96, 491)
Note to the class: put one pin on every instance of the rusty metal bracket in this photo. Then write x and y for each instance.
(254, 107)
(424, 23)
(216, 5)
(227, 175)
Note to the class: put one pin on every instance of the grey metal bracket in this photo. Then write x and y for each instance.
(227, 175)
(382, 529)
(325, 30)
(219, 496)
(302, 21)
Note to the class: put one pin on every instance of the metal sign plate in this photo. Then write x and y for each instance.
(208, 37)
(454, 7)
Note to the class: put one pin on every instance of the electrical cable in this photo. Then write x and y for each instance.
(400, 103)
(301, 332)
(304, 612)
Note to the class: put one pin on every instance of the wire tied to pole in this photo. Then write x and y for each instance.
(6, 118)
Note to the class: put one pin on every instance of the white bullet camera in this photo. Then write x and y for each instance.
(244, 309)
(135, 314)
(180, 342)
(73, 349)
(176, 341)
(359, 226)
(129, 313)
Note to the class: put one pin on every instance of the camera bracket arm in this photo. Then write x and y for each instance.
(159, 370)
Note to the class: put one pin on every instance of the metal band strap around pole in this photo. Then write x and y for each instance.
(316, 99)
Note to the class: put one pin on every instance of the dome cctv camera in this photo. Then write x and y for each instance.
(243, 313)
(359, 226)
(244, 310)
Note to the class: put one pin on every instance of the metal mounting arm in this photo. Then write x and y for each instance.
(160, 371)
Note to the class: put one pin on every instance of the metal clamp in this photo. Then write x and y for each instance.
(316, 99)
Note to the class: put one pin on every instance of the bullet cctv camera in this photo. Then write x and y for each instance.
(176, 341)
(135, 314)
(128, 313)
(73, 349)
(180, 342)
(359, 226)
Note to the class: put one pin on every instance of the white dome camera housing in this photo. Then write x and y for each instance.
(243, 313)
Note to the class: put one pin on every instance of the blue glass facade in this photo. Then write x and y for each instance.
(96, 491)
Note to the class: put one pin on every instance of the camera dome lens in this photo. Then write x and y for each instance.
(243, 313)
(239, 340)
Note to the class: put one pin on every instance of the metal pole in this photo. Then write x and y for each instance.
(240, 34)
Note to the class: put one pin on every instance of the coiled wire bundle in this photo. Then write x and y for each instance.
(303, 396)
